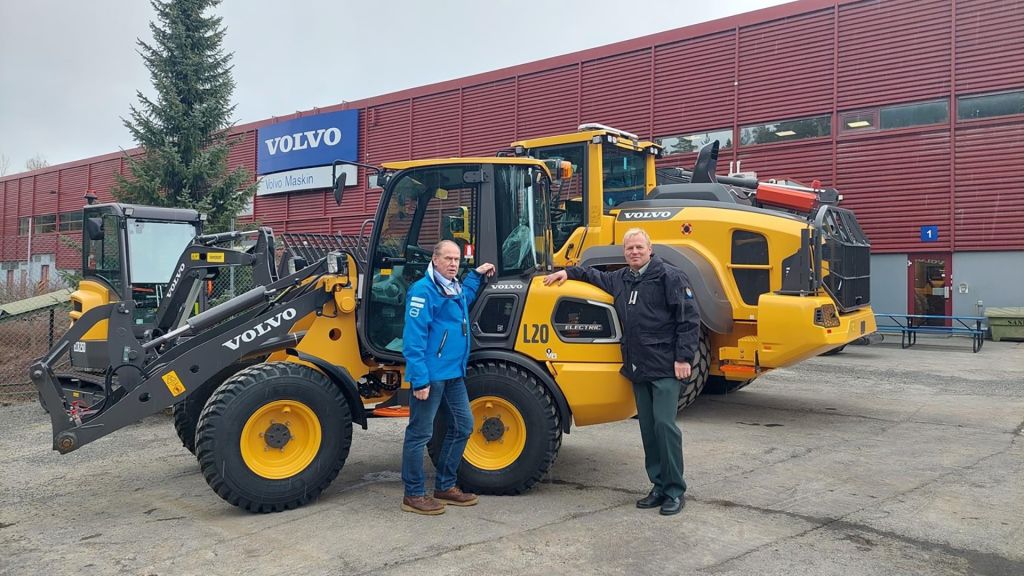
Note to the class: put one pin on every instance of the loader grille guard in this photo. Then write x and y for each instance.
(310, 247)
(833, 237)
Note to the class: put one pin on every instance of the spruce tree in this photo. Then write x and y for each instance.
(183, 133)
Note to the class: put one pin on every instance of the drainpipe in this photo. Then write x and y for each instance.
(28, 259)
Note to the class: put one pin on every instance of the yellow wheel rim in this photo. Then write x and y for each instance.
(500, 434)
(280, 439)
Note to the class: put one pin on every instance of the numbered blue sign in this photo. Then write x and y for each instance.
(929, 233)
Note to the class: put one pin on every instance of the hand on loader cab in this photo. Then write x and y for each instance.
(559, 277)
(486, 269)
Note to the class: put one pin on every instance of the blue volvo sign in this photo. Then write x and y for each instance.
(929, 233)
(309, 141)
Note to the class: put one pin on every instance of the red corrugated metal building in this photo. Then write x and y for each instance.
(914, 109)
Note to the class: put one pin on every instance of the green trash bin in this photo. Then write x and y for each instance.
(1006, 323)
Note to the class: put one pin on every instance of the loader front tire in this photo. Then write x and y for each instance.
(186, 413)
(516, 430)
(692, 388)
(273, 436)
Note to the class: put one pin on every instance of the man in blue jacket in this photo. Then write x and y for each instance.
(435, 343)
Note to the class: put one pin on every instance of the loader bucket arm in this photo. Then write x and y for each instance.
(145, 377)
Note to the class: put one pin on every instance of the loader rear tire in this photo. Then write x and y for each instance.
(516, 430)
(274, 436)
(718, 385)
(186, 412)
(692, 388)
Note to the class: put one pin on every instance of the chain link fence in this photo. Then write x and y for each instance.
(29, 329)
(24, 338)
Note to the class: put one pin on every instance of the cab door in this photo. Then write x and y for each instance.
(418, 208)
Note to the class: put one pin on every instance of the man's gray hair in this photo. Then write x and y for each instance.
(439, 245)
(637, 232)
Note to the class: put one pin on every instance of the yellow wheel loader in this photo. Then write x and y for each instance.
(780, 273)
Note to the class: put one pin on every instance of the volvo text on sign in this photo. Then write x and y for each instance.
(310, 141)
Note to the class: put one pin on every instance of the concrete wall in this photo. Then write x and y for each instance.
(995, 278)
(889, 283)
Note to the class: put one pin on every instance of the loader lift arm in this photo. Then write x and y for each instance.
(204, 258)
(144, 377)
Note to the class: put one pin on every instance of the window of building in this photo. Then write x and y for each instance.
(70, 221)
(989, 105)
(921, 114)
(45, 223)
(859, 121)
(750, 268)
(786, 130)
(893, 117)
(685, 143)
(24, 225)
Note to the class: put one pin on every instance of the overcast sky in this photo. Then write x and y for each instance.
(69, 68)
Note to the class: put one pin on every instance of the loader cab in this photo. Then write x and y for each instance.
(611, 167)
(495, 209)
(129, 252)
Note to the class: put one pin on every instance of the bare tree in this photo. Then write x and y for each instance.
(36, 162)
(5, 164)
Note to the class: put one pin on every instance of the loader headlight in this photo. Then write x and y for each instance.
(826, 316)
(296, 263)
(335, 262)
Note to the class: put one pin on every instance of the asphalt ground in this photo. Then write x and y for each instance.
(875, 461)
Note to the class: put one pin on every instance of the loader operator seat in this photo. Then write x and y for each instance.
(390, 289)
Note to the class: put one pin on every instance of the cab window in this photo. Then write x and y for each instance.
(622, 172)
(568, 198)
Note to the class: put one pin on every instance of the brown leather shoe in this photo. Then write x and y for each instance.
(456, 497)
(422, 505)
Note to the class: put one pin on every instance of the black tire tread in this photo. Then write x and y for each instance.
(216, 405)
(186, 413)
(552, 433)
(718, 385)
(691, 389)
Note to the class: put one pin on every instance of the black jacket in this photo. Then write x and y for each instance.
(660, 325)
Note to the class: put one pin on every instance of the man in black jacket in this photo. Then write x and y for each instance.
(661, 328)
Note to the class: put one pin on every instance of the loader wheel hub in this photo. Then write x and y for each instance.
(277, 435)
(493, 429)
(280, 439)
(500, 437)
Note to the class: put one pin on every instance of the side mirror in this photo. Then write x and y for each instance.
(94, 228)
(339, 181)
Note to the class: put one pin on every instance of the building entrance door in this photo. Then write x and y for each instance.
(929, 280)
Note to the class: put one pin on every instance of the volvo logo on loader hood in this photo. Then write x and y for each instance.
(647, 214)
(508, 286)
(316, 140)
(260, 329)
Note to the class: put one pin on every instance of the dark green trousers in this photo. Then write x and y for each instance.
(663, 441)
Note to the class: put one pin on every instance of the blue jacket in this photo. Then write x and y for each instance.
(435, 339)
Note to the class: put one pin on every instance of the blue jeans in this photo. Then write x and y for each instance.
(451, 397)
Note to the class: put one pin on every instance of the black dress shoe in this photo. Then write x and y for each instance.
(672, 505)
(652, 500)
